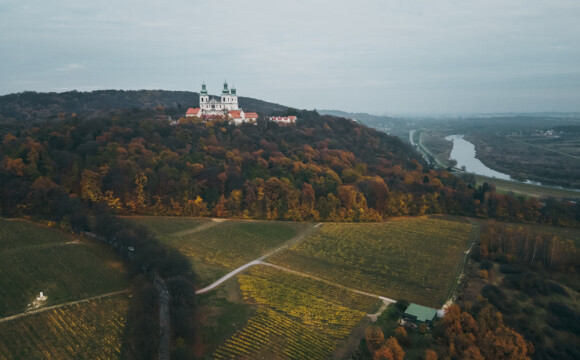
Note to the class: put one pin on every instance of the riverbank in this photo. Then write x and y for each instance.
(466, 153)
(537, 191)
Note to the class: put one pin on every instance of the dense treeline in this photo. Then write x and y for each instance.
(525, 246)
(31, 106)
(325, 168)
(537, 290)
(148, 259)
(152, 262)
(474, 332)
(478, 334)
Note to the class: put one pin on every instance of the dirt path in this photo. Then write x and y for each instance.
(38, 247)
(17, 316)
(302, 235)
(475, 233)
(385, 300)
(199, 228)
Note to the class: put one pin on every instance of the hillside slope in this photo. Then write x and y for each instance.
(137, 162)
(31, 105)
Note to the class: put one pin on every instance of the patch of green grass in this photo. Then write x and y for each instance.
(234, 243)
(519, 188)
(230, 244)
(412, 258)
(64, 271)
(16, 233)
(164, 227)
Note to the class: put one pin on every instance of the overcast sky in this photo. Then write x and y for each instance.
(378, 56)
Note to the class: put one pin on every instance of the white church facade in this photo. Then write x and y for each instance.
(225, 105)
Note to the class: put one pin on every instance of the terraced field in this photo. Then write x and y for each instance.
(34, 258)
(411, 258)
(91, 330)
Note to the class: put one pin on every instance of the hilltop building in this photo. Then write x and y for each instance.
(225, 105)
(283, 120)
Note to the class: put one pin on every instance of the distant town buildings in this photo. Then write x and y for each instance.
(225, 106)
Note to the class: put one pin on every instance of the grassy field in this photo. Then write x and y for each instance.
(269, 313)
(297, 317)
(165, 228)
(411, 258)
(91, 330)
(434, 141)
(538, 191)
(217, 247)
(65, 267)
(546, 160)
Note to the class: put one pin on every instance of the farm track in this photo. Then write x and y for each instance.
(260, 261)
(476, 232)
(385, 300)
(199, 228)
(17, 316)
(301, 236)
(38, 247)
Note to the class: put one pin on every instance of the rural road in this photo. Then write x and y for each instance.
(229, 275)
(382, 298)
(17, 316)
(259, 260)
(199, 228)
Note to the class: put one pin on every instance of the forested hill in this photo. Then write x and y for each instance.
(38, 106)
(323, 168)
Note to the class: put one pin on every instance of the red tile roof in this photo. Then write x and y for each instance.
(236, 114)
(192, 111)
(251, 115)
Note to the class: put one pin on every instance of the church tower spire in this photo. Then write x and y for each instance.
(203, 98)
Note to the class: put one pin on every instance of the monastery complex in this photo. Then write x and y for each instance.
(227, 106)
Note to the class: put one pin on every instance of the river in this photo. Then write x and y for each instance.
(464, 153)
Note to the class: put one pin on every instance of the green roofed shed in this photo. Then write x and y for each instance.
(418, 314)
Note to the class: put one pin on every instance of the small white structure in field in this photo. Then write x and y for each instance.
(41, 297)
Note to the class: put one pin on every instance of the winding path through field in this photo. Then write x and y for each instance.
(302, 235)
(260, 261)
(199, 228)
(32, 312)
(382, 298)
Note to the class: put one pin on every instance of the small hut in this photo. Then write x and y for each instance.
(419, 314)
